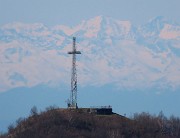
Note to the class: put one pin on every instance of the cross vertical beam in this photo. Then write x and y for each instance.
(72, 102)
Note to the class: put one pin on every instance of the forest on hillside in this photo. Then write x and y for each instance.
(64, 123)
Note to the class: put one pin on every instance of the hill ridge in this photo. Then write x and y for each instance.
(64, 123)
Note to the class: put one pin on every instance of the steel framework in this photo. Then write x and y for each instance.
(72, 102)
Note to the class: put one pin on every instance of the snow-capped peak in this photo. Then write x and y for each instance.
(104, 27)
(18, 26)
(114, 51)
(170, 32)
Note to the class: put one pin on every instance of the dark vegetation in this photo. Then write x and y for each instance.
(64, 123)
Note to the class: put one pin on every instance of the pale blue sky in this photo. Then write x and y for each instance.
(71, 12)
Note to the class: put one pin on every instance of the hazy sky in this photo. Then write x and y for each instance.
(71, 12)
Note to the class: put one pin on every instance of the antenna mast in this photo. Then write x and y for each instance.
(72, 102)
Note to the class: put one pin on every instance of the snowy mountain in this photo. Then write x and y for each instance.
(113, 52)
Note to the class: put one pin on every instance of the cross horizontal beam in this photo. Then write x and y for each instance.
(74, 52)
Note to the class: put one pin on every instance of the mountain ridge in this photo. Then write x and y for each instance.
(114, 50)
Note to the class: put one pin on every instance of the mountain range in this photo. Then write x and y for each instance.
(143, 57)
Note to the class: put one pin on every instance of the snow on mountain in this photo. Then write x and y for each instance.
(100, 27)
(170, 32)
(113, 51)
(159, 27)
(36, 34)
(105, 28)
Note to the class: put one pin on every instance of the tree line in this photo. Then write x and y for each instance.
(63, 123)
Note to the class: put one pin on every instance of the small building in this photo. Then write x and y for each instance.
(101, 110)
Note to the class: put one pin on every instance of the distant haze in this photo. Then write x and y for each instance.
(70, 12)
(113, 51)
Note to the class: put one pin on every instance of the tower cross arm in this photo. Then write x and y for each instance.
(74, 52)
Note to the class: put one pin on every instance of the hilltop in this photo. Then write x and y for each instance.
(66, 123)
